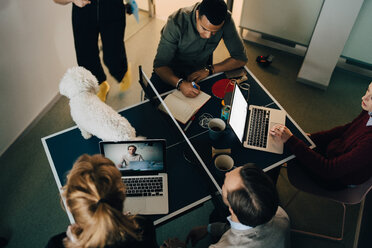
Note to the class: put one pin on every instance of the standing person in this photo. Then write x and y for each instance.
(186, 46)
(106, 18)
(95, 195)
(343, 154)
(130, 156)
(256, 220)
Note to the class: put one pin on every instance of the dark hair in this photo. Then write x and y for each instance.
(214, 10)
(132, 146)
(257, 201)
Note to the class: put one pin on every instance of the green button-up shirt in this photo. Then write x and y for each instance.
(183, 50)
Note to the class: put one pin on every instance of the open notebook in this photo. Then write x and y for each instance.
(182, 107)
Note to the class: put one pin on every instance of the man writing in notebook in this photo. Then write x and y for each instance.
(255, 220)
(187, 42)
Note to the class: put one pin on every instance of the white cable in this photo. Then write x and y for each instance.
(184, 135)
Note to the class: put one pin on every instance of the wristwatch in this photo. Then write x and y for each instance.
(178, 85)
(210, 69)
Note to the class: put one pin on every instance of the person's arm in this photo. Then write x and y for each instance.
(226, 65)
(327, 168)
(168, 45)
(235, 46)
(340, 166)
(79, 3)
(167, 75)
(323, 138)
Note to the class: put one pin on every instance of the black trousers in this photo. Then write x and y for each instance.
(107, 18)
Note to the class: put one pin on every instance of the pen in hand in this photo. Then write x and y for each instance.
(194, 85)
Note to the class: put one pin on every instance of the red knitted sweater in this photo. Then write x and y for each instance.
(343, 154)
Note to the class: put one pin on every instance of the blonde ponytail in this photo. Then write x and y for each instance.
(95, 194)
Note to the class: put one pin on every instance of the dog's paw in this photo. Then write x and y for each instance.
(85, 134)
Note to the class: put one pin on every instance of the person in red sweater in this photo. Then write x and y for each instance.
(343, 154)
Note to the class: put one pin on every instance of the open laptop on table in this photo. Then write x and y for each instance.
(146, 87)
(252, 127)
(143, 172)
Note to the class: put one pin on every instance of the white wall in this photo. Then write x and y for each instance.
(36, 49)
(142, 4)
(163, 8)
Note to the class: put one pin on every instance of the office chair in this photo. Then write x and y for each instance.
(351, 196)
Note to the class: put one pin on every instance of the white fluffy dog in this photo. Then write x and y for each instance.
(92, 116)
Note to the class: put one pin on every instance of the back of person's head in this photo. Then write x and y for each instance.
(257, 201)
(94, 195)
(214, 10)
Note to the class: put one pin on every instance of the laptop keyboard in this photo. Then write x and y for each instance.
(258, 127)
(144, 186)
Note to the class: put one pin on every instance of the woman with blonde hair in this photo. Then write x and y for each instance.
(94, 195)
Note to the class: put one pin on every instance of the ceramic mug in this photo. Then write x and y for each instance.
(224, 162)
(216, 127)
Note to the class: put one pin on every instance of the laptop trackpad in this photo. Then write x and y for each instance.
(135, 205)
(274, 143)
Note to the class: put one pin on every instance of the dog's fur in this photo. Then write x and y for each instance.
(92, 116)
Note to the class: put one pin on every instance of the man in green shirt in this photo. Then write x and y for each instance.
(187, 42)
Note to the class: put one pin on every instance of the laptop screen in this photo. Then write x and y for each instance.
(238, 113)
(149, 92)
(136, 157)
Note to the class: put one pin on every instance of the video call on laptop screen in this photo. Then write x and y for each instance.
(136, 156)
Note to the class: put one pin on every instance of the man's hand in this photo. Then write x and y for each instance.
(188, 90)
(81, 3)
(196, 234)
(198, 75)
(173, 243)
(281, 131)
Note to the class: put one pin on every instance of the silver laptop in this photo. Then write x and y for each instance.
(252, 127)
(142, 164)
